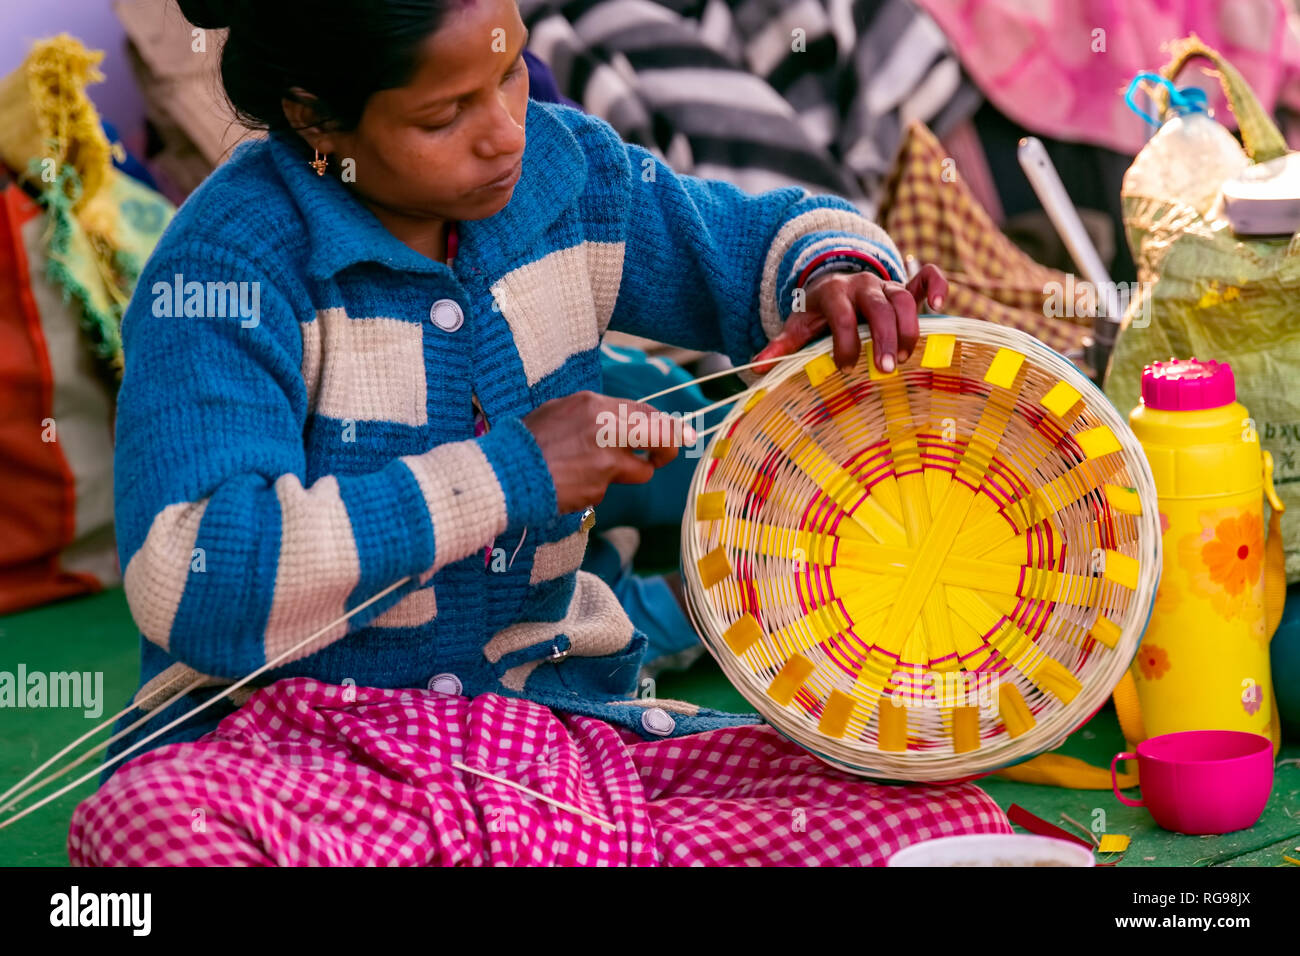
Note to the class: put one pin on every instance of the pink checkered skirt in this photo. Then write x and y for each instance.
(307, 773)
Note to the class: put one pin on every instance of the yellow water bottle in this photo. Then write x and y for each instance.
(1204, 659)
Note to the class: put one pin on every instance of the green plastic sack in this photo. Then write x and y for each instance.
(1205, 293)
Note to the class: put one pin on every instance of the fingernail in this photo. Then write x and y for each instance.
(936, 302)
(902, 356)
(886, 363)
(688, 435)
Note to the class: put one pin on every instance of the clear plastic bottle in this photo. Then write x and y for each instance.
(1189, 158)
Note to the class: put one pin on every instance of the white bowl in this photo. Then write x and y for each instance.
(994, 849)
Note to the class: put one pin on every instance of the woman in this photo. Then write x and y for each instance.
(425, 261)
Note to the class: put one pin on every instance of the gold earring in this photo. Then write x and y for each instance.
(319, 163)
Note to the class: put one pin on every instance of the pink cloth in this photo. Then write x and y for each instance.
(1036, 62)
(304, 775)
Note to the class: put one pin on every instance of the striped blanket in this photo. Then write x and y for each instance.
(760, 93)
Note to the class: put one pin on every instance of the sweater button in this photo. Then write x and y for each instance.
(447, 315)
(657, 721)
(445, 684)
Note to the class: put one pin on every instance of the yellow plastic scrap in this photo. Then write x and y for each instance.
(1098, 441)
(836, 713)
(1123, 500)
(790, 678)
(1014, 711)
(965, 729)
(938, 351)
(820, 369)
(1004, 368)
(1060, 399)
(743, 634)
(711, 506)
(1121, 569)
(893, 726)
(1105, 631)
(1114, 842)
(714, 567)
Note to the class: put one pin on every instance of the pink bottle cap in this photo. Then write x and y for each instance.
(1188, 385)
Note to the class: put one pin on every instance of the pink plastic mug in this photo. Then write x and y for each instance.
(1202, 781)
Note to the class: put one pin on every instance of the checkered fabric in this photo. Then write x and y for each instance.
(932, 216)
(308, 773)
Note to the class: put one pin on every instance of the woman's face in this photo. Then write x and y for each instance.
(432, 148)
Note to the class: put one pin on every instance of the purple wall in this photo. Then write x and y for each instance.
(95, 25)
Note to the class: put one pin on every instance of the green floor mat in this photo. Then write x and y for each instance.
(96, 635)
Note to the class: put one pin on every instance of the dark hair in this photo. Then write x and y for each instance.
(340, 52)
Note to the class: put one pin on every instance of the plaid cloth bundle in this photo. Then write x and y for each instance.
(932, 217)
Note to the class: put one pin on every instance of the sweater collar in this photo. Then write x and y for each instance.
(341, 232)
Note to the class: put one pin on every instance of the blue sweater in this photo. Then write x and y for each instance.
(295, 428)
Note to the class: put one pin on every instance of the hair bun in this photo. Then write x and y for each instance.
(211, 14)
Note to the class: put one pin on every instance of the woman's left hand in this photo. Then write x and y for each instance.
(841, 300)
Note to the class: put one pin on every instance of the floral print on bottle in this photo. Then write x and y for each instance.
(1224, 561)
(1153, 661)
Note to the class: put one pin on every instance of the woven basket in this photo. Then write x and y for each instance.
(929, 574)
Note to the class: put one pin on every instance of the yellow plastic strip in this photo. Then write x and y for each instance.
(711, 506)
(1114, 843)
(893, 728)
(756, 536)
(820, 369)
(823, 622)
(938, 351)
(743, 634)
(1027, 510)
(986, 437)
(972, 650)
(1054, 677)
(1121, 569)
(1061, 398)
(876, 670)
(1098, 441)
(1014, 644)
(754, 399)
(861, 604)
(790, 678)
(965, 729)
(721, 447)
(1004, 368)
(1124, 500)
(838, 484)
(1015, 712)
(836, 714)
(925, 568)
(714, 567)
(975, 574)
(1105, 631)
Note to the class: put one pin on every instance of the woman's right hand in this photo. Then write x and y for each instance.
(590, 441)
